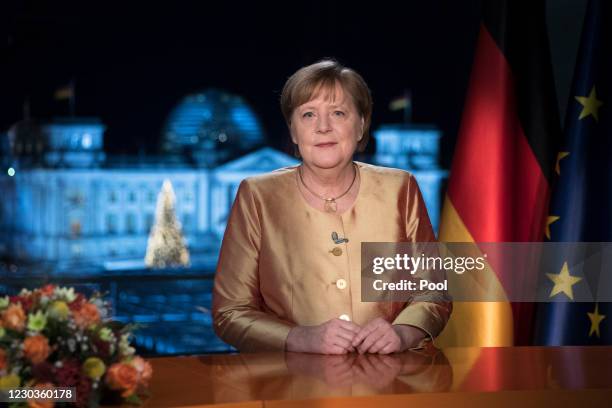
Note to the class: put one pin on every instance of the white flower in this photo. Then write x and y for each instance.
(124, 346)
(107, 335)
(66, 294)
(25, 292)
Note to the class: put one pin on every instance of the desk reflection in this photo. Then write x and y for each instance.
(303, 376)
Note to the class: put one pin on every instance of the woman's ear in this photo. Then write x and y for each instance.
(362, 128)
(292, 133)
(296, 148)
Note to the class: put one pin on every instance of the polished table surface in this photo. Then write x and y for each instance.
(454, 377)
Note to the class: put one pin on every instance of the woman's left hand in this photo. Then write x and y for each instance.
(380, 336)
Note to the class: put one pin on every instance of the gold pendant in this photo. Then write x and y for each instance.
(330, 205)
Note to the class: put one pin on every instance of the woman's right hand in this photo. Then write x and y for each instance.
(332, 337)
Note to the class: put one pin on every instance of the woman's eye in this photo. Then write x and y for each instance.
(339, 113)
(307, 115)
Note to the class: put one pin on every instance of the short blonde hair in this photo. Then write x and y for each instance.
(324, 75)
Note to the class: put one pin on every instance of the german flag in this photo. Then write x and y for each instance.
(499, 184)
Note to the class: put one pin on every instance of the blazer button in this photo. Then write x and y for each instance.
(344, 317)
(337, 251)
(341, 284)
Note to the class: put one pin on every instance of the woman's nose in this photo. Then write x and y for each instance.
(323, 125)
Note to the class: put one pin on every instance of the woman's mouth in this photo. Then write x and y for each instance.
(328, 144)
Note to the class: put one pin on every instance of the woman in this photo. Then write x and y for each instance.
(288, 276)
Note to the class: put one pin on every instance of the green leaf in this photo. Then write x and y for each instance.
(134, 399)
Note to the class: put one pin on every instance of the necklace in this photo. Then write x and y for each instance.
(330, 202)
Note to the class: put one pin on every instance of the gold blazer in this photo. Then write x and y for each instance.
(279, 267)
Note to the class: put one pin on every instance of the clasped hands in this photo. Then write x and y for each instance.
(338, 336)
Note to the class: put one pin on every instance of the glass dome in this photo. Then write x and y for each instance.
(212, 121)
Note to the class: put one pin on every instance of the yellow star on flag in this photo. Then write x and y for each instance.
(560, 156)
(549, 220)
(563, 282)
(590, 105)
(596, 318)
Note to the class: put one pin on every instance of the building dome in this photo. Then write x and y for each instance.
(212, 126)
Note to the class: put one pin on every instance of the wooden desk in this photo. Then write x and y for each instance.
(517, 377)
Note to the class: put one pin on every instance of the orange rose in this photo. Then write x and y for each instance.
(2, 359)
(47, 290)
(124, 377)
(145, 371)
(86, 315)
(42, 403)
(14, 317)
(36, 348)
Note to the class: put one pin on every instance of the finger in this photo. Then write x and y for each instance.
(341, 342)
(395, 344)
(346, 334)
(333, 349)
(363, 333)
(350, 348)
(379, 344)
(369, 328)
(350, 326)
(370, 340)
(383, 327)
(388, 349)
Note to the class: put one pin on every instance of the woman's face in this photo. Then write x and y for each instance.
(327, 129)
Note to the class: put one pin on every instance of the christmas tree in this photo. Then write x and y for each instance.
(166, 246)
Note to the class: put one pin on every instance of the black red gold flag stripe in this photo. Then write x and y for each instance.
(499, 184)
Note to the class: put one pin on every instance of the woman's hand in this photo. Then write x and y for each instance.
(332, 337)
(380, 336)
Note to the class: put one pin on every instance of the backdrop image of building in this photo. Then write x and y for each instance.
(72, 213)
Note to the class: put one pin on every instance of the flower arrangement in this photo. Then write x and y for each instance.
(54, 337)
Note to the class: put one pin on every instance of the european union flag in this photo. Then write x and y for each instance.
(581, 205)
